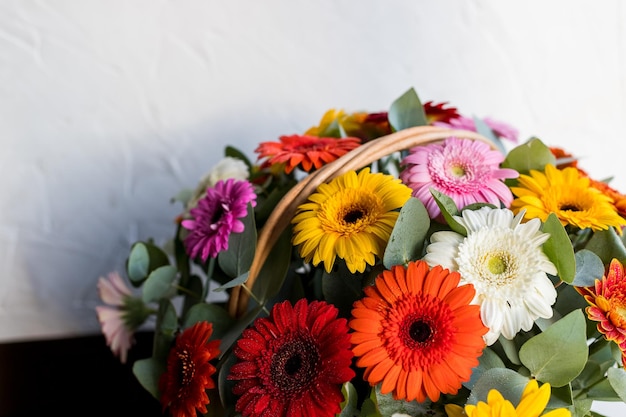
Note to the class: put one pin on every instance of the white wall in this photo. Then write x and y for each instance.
(109, 107)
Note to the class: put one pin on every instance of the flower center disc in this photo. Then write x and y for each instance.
(294, 366)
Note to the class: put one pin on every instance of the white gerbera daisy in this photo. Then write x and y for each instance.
(503, 259)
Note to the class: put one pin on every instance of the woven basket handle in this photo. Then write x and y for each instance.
(356, 159)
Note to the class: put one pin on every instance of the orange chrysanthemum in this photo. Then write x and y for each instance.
(416, 332)
(607, 305)
(304, 151)
(183, 385)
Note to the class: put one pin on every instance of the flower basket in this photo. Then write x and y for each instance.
(383, 264)
(356, 159)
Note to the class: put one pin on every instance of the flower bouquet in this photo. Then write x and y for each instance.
(412, 262)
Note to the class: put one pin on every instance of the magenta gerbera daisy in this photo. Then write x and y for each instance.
(468, 171)
(293, 363)
(216, 216)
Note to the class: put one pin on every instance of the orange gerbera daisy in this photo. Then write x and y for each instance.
(416, 332)
(607, 305)
(183, 385)
(304, 151)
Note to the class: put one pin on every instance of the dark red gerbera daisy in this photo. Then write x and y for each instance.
(293, 363)
(439, 112)
(183, 385)
(305, 151)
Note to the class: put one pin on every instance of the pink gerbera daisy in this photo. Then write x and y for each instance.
(465, 170)
(216, 216)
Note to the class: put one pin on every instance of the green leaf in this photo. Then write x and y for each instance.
(589, 267)
(486, 131)
(558, 248)
(159, 284)
(232, 283)
(241, 247)
(148, 371)
(388, 406)
(214, 314)
(533, 154)
(274, 270)
(407, 111)
(543, 354)
(617, 379)
(225, 386)
(237, 328)
(165, 329)
(607, 245)
(603, 391)
(348, 405)
(448, 209)
(508, 382)
(560, 397)
(488, 360)
(407, 237)
(510, 349)
(144, 258)
(236, 153)
(342, 288)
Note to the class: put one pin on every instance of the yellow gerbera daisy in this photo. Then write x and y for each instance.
(351, 218)
(567, 194)
(532, 404)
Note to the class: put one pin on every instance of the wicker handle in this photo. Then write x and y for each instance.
(358, 158)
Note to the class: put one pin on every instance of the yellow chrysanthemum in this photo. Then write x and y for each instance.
(532, 404)
(351, 218)
(567, 194)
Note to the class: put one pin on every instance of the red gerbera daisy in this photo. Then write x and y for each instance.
(304, 151)
(293, 363)
(183, 385)
(439, 113)
(607, 305)
(416, 333)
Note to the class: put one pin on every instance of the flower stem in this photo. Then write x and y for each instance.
(254, 297)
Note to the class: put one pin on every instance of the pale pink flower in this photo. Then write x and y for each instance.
(467, 171)
(500, 129)
(119, 335)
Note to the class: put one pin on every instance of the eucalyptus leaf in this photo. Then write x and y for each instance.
(407, 111)
(558, 248)
(241, 247)
(589, 267)
(342, 288)
(531, 155)
(486, 131)
(235, 330)
(558, 354)
(349, 403)
(607, 245)
(214, 314)
(148, 371)
(159, 284)
(603, 391)
(617, 379)
(144, 258)
(233, 152)
(232, 283)
(448, 209)
(224, 385)
(408, 235)
(274, 270)
(508, 382)
(488, 360)
(387, 405)
(165, 329)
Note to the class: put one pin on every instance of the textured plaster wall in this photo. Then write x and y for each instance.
(109, 108)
